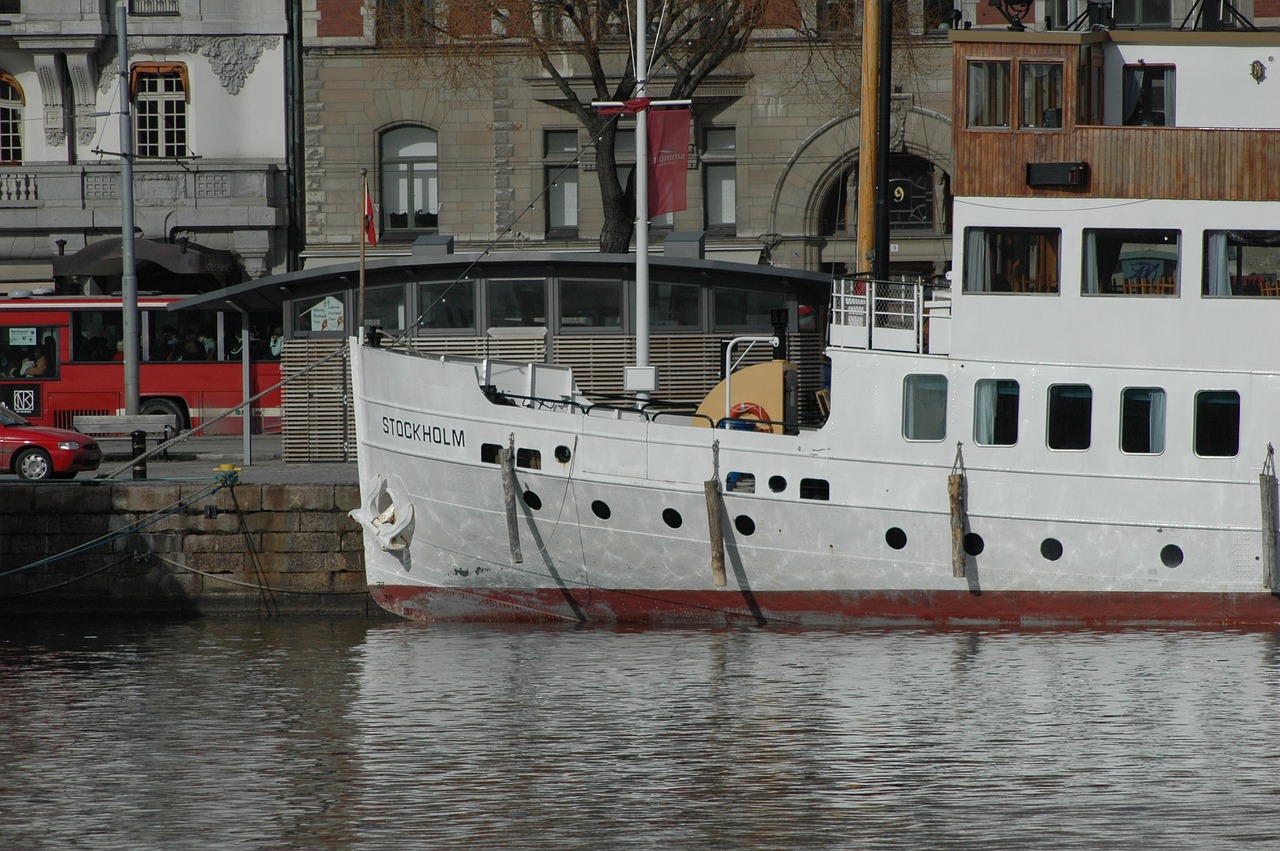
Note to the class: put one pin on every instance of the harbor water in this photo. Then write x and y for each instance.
(353, 734)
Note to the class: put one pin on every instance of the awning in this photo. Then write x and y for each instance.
(103, 258)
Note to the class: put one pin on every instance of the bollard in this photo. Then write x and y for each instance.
(138, 449)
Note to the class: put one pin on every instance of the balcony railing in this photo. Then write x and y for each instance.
(17, 186)
(151, 7)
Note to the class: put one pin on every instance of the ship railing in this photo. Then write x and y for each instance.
(904, 315)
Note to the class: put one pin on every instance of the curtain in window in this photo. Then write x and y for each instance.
(1217, 279)
(979, 109)
(1134, 78)
(1091, 284)
(1156, 424)
(984, 413)
(977, 264)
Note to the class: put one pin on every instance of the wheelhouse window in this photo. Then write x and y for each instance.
(410, 202)
(561, 172)
(12, 103)
(720, 180)
(1021, 260)
(590, 305)
(161, 94)
(1217, 428)
(1041, 95)
(448, 305)
(995, 412)
(1142, 420)
(1070, 416)
(1131, 262)
(988, 94)
(1148, 93)
(1241, 263)
(924, 407)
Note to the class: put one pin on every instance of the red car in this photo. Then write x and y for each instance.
(36, 452)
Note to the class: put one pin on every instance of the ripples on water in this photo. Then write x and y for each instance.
(301, 734)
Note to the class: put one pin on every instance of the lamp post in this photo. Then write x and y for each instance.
(128, 274)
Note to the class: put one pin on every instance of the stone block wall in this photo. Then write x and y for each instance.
(105, 548)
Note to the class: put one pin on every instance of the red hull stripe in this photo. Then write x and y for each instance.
(825, 608)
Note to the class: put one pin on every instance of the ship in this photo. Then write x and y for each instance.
(1074, 428)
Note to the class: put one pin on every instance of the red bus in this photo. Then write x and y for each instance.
(62, 356)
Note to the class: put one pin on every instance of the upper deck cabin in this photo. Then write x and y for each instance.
(1116, 114)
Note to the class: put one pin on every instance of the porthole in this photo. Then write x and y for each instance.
(1051, 549)
(672, 518)
(1171, 555)
(600, 509)
(777, 484)
(895, 538)
(532, 500)
(563, 454)
(973, 544)
(744, 524)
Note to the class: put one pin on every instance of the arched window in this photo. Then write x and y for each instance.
(410, 181)
(11, 104)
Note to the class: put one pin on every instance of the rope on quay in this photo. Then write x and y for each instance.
(242, 584)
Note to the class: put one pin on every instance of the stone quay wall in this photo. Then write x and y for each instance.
(75, 548)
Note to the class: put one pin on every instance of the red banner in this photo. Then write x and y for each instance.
(668, 160)
(370, 230)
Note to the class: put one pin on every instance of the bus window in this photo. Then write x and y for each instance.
(188, 336)
(97, 335)
(29, 352)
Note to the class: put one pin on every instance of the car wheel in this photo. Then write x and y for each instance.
(34, 465)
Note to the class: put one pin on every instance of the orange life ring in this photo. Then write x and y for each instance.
(753, 410)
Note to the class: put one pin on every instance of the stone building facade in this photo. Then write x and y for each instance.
(206, 81)
(772, 176)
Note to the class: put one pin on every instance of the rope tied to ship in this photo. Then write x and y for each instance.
(956, 486)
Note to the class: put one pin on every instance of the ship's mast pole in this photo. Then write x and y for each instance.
(642, 194)
(873, 195)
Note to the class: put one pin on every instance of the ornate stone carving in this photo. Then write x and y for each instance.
(232, 59)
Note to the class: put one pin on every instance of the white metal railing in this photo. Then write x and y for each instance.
(887, 315)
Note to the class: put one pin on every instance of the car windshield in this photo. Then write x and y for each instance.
(9, 418)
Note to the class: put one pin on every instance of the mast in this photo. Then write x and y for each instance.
(873, 169)
(642, 194)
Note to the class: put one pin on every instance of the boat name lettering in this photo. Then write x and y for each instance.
(423, 432)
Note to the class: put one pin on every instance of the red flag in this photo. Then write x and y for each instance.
(630, 107)
(668, 160)
(370, 230)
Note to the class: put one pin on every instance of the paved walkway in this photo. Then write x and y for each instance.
(198, 458)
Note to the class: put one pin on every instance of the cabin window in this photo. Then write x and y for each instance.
(1241, 263)
(518, 303)
(1142, 420)
(1041, 95)
(595, 305)
(924, 407)
(995, 412)
(1070, 416)
(1023, 260)
(674, 306)
(819, 489)
(746, 308)
(385, 304)
(448, 305)
(1131, 262)
(1148, 91)
(561, 174)
(1217, 431)
(988, 94)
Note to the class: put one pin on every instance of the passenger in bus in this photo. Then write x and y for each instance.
(37, 367)
(277, 342)
(208, 346)
(119, 355)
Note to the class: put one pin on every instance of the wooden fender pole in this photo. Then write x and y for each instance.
(509, 488)
(1267, 483)
(715, 519)
(955, 497)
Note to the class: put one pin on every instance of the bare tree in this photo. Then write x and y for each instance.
(585, 47)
